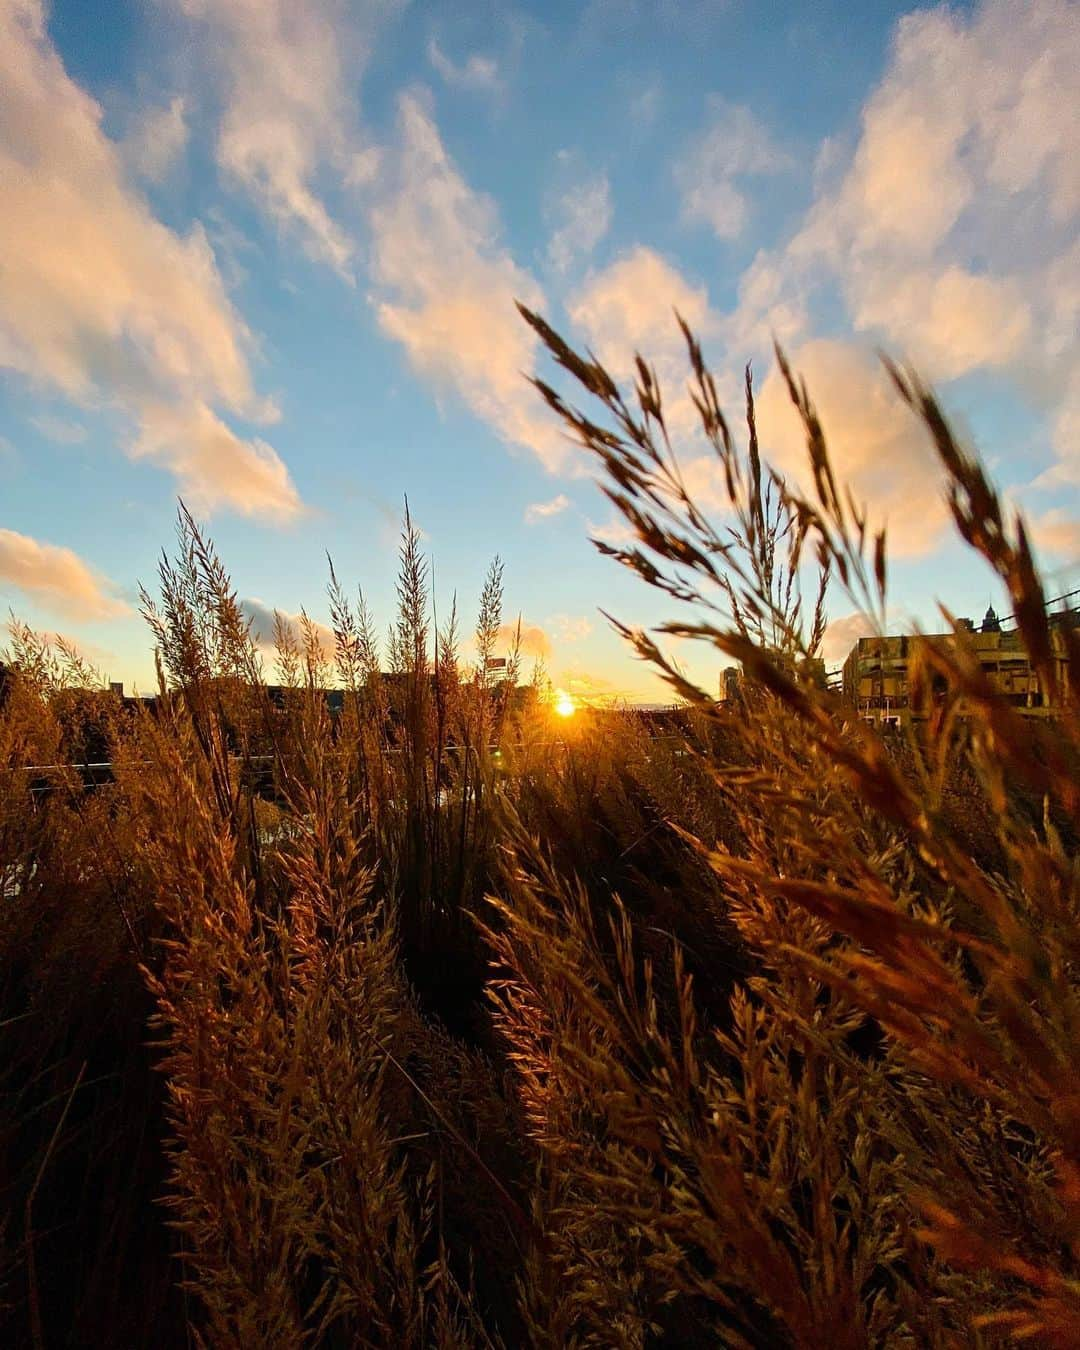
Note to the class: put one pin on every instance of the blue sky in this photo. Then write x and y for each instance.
(264, 256)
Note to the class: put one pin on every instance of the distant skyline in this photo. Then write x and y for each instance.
(263, 255)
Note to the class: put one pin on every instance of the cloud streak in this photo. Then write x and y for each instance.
(59, 429)
(630, 306)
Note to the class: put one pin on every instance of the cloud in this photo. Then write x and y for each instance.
(59, 430)
(571, 628)
(772, 306)
(534, 640)
(97, 298)
(591, 690)
(1065, 439)
(630, 306)
(645, 102)
(733, 146)
(214, 466)
(583, 214)
(970, 106)
(158, 140)
(952, 231)
(956, 321)
(286, 71)
(704, 480)
(538, 511)
(57, 578)
(445, 289)
(261, 617)
(842, 634)
(615, 532)
(875, 442)
(477, 74)
(1056, 532)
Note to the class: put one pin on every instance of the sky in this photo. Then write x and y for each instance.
(263, 256)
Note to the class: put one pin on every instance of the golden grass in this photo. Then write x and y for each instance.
(763, 1033)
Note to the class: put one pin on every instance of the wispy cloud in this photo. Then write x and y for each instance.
(710, 175)
(59, 429)
(582, 216)
(157, 140)
(98, 298)
(645, 101)
(287, 72)
(476, 74)
(570, 628)
(631, 307)
(537, 511)
(57, 578)
(591, 689)
(446, 288)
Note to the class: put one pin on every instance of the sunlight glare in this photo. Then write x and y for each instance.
(564, 705)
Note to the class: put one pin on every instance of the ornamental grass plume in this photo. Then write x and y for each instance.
(921, 994)
(370, 1005)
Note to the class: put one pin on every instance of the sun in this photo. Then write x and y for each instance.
(564, 705)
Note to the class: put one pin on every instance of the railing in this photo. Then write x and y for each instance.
(101, 771)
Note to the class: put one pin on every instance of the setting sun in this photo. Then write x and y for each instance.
(564, 705)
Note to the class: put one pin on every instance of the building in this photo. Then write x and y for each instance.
(876, 674)
(811, 669)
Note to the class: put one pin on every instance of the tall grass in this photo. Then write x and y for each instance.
(424, 1023)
